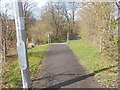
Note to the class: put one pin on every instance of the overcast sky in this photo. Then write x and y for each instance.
(39, 2)
(5, 3)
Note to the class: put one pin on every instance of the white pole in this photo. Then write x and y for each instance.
(48, 38)
(21, 44)
(67, 37)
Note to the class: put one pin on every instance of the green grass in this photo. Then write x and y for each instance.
(12, 74)
(94, 62)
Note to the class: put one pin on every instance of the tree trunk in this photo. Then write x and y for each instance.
(5, 51)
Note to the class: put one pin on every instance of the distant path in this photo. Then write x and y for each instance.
(61, 69)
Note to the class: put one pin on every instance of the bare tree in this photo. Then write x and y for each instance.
(61, 16)
(8, 32)
(4, 34)
(1, 53)
(29, 7)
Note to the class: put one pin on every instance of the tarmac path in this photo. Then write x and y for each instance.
(62, 69)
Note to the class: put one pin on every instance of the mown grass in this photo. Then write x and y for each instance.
(105, 70)
(12, 75)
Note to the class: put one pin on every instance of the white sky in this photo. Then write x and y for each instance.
(40, 3)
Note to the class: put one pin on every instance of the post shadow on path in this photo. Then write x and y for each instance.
(71, 81)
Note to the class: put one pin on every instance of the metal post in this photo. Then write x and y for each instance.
(48, 38)
(21, 44)
(67, 37)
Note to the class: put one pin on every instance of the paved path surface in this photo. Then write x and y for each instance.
(61, 69)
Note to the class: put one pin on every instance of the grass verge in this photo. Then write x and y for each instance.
(12, 75)
(105, 70)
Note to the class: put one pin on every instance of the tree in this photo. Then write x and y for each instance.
(8, 33)
(29, 7)
(98, 26)
(61, 17)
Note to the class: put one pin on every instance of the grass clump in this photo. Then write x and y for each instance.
(105, 70)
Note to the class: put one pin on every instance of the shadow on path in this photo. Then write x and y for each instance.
(68, 82)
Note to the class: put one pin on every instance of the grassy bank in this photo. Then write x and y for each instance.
(105, 70)
(12, 75)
